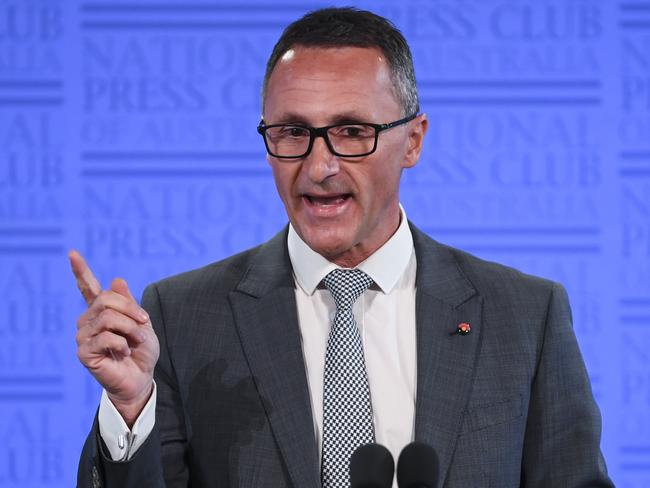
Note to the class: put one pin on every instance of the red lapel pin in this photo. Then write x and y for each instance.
(463, 328)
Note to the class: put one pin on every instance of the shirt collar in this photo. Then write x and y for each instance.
(384, 266)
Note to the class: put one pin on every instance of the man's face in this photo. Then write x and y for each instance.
(343, 208)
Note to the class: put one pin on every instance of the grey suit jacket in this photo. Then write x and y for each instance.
(506, 405)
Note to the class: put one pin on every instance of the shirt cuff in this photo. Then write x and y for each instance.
(122, 442)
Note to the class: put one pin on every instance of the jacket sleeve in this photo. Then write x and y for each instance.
(160, 460)
(562, 440)
(98, 470)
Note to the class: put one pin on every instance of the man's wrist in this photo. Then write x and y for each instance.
(122, 441)
(130, 410)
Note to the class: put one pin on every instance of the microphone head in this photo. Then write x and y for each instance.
(417, 466)
(371, 466)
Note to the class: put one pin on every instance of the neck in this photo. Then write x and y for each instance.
(359, 253)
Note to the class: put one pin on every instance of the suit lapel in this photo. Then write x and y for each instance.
(445, 359)
(264, 309)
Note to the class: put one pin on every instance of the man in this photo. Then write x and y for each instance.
(350, 326)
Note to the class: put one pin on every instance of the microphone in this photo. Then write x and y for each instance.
(371, 466)
(417, 466)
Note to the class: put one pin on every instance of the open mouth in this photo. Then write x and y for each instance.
(327, 200)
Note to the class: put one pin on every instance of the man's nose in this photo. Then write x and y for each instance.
(320, 163)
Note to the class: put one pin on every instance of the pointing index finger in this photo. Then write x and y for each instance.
(86, 281)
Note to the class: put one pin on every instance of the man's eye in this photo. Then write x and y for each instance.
(355, 131)
(290, 131)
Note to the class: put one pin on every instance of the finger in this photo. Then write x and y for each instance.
(118, 323)
(120, 286)
(119, 303)
(106, 344)
(86, 281)
(110, 344)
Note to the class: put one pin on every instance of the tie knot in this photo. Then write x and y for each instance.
(346, 285)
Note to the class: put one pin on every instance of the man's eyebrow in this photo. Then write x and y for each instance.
(349, 117)
(342, 118)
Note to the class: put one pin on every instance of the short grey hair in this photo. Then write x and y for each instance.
(345, 27)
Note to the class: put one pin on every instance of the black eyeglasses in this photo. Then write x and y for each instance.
(350, 140)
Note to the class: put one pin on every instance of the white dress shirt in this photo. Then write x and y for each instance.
(385, 315)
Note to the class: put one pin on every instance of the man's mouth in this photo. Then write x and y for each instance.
(327, 200)
(326, 206)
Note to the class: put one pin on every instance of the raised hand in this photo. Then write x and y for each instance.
(115, 341)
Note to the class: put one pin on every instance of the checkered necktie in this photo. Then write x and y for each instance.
(347, 411)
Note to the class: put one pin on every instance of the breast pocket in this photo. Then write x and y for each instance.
(490, 412)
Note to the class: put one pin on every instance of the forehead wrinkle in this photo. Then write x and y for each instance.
(320, 109)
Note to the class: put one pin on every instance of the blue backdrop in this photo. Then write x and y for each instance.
(127, 130)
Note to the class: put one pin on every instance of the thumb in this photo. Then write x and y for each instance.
(121, 287)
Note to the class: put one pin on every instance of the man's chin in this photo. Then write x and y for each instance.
(328, 244)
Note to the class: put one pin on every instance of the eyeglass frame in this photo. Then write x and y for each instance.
(315, 132)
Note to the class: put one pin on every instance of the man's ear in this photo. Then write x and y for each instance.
(417, 129)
